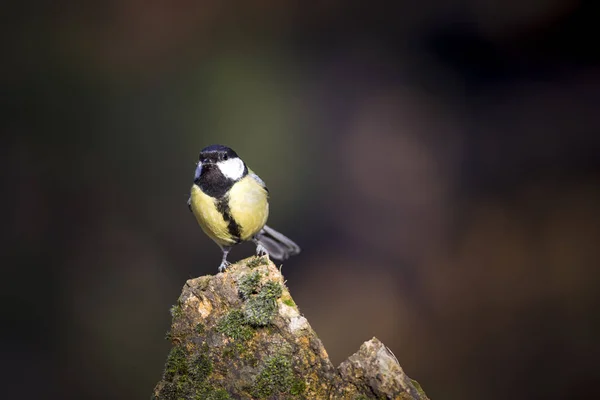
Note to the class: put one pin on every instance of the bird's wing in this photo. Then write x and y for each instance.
(257, 179)
(189, 203)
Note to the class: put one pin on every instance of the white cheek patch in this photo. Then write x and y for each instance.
(232, 168)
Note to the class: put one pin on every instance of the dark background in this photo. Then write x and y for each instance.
(437, 161)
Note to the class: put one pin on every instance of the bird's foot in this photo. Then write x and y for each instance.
(261, 251)
(224, 266)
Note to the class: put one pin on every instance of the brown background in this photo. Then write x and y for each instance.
(437, 161)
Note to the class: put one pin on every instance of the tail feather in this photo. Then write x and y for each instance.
(279, 246)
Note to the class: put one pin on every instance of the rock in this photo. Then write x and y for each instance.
(239, 335)
(375, 369)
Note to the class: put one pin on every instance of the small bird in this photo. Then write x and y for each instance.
(231, 205)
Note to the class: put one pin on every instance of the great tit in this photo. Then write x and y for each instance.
(231, 205)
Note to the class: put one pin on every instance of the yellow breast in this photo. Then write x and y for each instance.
(248, 202)
(248, 206)
(209, 218)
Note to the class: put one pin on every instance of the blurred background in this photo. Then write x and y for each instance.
(437, 162)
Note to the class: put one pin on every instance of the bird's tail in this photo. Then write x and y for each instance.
(279, 246)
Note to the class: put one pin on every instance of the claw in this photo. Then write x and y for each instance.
(224, 266)
(261, 251)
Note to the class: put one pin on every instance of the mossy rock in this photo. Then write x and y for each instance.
(240, 335)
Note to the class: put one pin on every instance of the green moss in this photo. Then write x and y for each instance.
(200, 328)
(249, 284)
(298, 387)
(260, 309)
(235, 326)
(229, 352)
(176, 363)
(213, 394)
(277, 377)
(256, 261)
(201, 368)
(289, 302)
(259, 312)
(176, 311)
(271, 290)
(170, 392)
(365, 397)
(418, 387)
(187, 377)
(234, 350)
(176, 373)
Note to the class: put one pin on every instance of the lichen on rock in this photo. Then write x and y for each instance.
(240, 335)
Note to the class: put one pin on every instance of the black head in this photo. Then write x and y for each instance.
(215, 153)
(219, 167)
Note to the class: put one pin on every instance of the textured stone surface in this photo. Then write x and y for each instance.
(374, 369)
(239, 335)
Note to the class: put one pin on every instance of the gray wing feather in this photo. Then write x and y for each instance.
(279, 246)
(275, 250)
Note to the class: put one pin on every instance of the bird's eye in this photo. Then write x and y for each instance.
(225, 157)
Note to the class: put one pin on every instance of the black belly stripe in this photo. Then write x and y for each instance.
(232, 226)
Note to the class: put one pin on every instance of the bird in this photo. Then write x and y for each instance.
(231, 204)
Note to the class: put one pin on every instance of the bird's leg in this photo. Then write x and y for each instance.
(224, 262)
(260, 249)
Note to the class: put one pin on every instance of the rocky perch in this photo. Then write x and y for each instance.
(239, 335)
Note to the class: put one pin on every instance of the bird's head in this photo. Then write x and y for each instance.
(220, 160)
